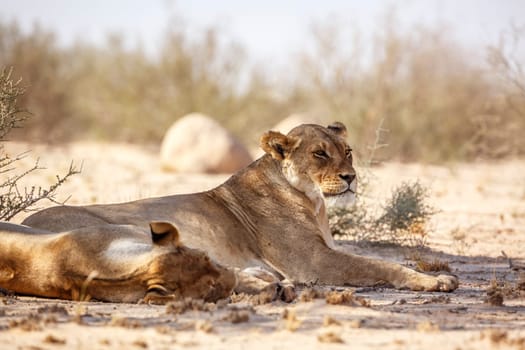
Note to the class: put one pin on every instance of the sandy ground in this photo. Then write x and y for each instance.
(482, 214)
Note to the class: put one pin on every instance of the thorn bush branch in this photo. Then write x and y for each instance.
(13, 200)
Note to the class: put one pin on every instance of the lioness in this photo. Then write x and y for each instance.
(116, 263)
(272, 214)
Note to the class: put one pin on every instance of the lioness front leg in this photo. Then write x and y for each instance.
(327, 266)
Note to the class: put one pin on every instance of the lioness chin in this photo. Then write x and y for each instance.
(272, 215)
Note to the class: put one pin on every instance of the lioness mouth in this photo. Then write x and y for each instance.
(345, 192)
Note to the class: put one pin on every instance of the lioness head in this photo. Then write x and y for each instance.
(184, 272)
(315, 160)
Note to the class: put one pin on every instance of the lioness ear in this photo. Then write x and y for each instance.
(279, 145)
(164, 233)
(338, 128)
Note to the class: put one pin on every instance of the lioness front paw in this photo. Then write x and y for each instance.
(428, 283)
(441, 283)
(446, 283)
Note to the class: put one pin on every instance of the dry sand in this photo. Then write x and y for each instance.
(482, 214)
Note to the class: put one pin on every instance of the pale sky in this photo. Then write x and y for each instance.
(269, 30)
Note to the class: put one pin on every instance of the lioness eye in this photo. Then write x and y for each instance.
(348, 152)
(321, 154)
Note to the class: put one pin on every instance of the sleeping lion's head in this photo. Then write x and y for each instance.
(316, 160)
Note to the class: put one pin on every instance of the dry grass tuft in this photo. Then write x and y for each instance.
(105, 342)
(330, 337)
(494, 294)
(267, 295)
(204, 326)
(140, 344)
(459, 235)
(520, 284)
(53, 309)
(291, 322)
(51, 339)
(434, 265)
(81, 310)
(427, 326)
(311, 293)
(4, 293)
(30, 323)
(500, 337)
(345, 297)
(125, 322)
(238, 316)
(498, 291)
(330, 321)
(189, 304)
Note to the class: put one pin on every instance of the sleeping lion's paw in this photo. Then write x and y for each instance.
(280, 291)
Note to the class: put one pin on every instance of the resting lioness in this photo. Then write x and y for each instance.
(116, 263)
(272, 214)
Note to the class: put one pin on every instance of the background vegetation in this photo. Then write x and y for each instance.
(435, 100)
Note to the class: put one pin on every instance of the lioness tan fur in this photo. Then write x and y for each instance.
(116, 263)
(272, 215)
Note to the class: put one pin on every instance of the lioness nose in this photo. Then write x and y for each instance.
(347, 177)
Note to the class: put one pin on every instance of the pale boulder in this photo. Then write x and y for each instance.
(198, 144)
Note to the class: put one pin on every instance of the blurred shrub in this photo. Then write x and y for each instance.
(501, 130)
(437, 100)
(44, 68)
(431, 93)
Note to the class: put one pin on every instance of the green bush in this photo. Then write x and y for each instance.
(403, 220)
(406, 207)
